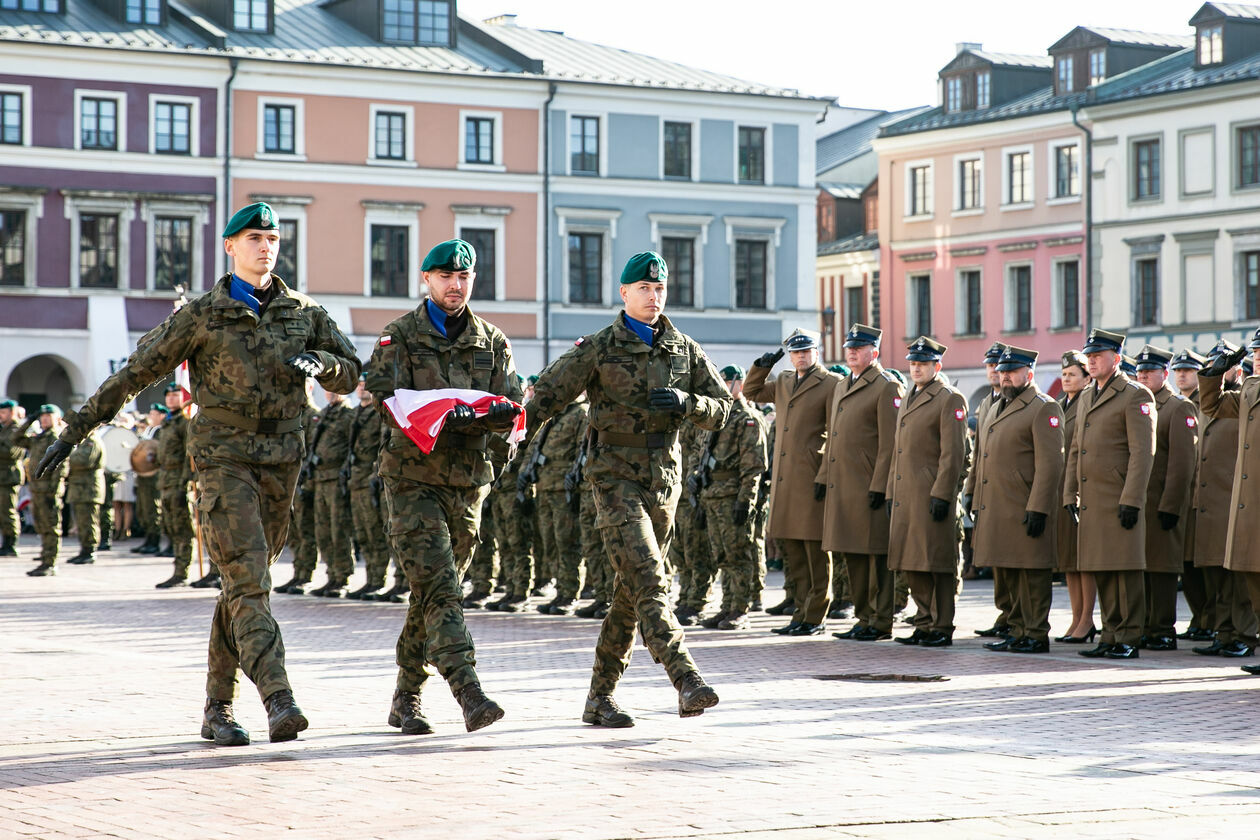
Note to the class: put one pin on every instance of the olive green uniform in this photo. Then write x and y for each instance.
(333, 523)
(175, 479)
(47, 496)
(302, 513)
(694, 560)
(366, 436)
(557, 527)
(11, 478)
(85, 490)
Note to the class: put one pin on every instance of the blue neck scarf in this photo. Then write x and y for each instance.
(437, 316)
(642, 330)
(245, 293)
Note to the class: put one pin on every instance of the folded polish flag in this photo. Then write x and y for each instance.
(421, 414)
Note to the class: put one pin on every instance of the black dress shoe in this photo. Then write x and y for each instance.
(782, 608)
(1027, 645)
(1189, 633)
(1122, 651)
(995, 631)
(1237, 649)
(936, 638)
(1213, 649)
(852, 633)
(1002, 644)
(1161, 643)
(870, 634)
(787, 629)
(1254, 670)
(1096, 652)
(807, 629)
(913, 639)
(840, 611)
(1203, 635)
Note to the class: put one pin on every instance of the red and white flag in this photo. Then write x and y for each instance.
(421, 414)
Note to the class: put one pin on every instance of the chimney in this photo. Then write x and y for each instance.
(964, 46)
(501, 20)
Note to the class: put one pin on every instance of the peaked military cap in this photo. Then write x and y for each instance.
(732, 373)
(924, 349)
(647, 265)
(8, 404)
(1254, 344)
(860, 335)
(1014, 358)
(801, 340)
(49, 408)
(1100, 340)
(1222, 346)
(256, 216)
(1128, 365)
(994, 354)
(1188, 360)
(451, 255)
(843, 370)
(1074, 357)
(1153, 358)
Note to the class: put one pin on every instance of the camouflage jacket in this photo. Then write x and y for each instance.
(11, 452)
(560, 447)
(412, 353)
(237, 362)
(368, 436)
(618, 370)
(333, 446)
(739, 455)
(35, 447)
(85, 483)
(175, 471)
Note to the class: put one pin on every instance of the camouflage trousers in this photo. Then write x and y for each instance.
(9, 528)
(302, 536)
(635, 524)
(434, 533)
(107, 506)
(46, 508)
(148, 505)
(599, 573)
(87, 525)
(734, 552)
(244, 514)
(177, 516)
(841, 589)
(484, 571)
(369, 533)
(559, 533)
(333, 529)
(697, 569)
(512, 539)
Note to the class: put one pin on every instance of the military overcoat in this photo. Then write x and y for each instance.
(1242, 545)
(1066, 528)
(1214, 484)
(1170, 489)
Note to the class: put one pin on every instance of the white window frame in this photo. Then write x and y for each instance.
(1102, 53)
(1056, 292)
(1061, 85)
(120, 98)
(1215, 56)
(409, 135)
(299, 128)
(1052, 174)
(487, 218)
(401, 215)
(588, 220)
(125, 209)
(958, 209)
(695, 150)
(496, 142)
(1007, 152)
(602, 116)
(194, 123)
(25, 92)
(767, 149)
(960, 299)
(769, 229)
(199, 212)
(1009, 298)
(685, 226)
(908, 199)
(988, 96)
(33, 204)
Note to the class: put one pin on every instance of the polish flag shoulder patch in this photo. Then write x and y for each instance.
(386, 340)
(1054, 422)
(578, 343)
(959, 414)
(896, 402)
(1145, 409)
(1191, 422)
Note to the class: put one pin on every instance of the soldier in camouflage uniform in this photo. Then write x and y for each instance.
(48, 488)
(302, 512)
(484, 571)
(175, 478)
(148, 504)
(552, 452)
(435, 499)
(643, 379)
(690, 551)
(511, 537)
(334, 526)
(250, 343)
(731, 482)
(366, 436)
(85, 490)
(11, 477)
(580, 491)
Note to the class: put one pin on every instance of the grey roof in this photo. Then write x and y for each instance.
(1175, 73)
(838, 189)
(1140, 39)
(854, 140)
(1040, 101)
(85, 24)
(1013, 59)
(1233, 10)
(849, 244)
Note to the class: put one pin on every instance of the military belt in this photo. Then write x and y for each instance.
(651, 440)
(260, 425)
(454, 440)
(723, 475)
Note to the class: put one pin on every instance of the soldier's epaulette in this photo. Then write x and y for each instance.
(1045, 398)
(1134, 384)
(888, 377)
(1181, 397)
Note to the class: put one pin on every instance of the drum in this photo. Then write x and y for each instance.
(144, 458)
(118, 443)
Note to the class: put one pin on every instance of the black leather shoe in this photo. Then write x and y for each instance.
(1001, 644)
(937, 638)
(840, 611)
(602, 710)
(913, 639)
(284, 719)
(1189, 633)
(1203, 635)
(1237, 649)
(1160, 643)
(1254, 670)
(996, 631)
(694, 695)
(786, 630)
(404, 714)
(852, 633)
(807, 629)
(1122, 651)
(1213, 649)
(784, 607)
(1027, 645)
(218, 724)
(479, 711)
(1096, 652)
(870, 634)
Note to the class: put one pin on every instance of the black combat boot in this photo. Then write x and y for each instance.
(106, 544)
(43, 570)
(475, 600)
(479, 710)
(173, 581)
(288, 588)
(404, 714)
(150, 545)
(219, 724)
(365, 592)
(83, 558)
(694, 695)
(210, 581)
(6, 548)
(591, 609)
(319, 591)
(284, 719)
(602, 710)
(561, 606)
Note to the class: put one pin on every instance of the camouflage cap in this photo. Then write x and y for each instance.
(8, 404)
(732, 373)
(451, 255)
(648, 265)
(256, 216)
(49, 408)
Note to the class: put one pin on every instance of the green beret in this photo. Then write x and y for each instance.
(451, 255)
(172, 387)
(532, 380)
(843, 370)
(256, 216)
(49, 408)
(648, 265)
(157, 407)
(731, 373)
(8, 404)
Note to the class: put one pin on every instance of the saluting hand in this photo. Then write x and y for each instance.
(768, 360)
(307, 364)
(53, 456)
(1224, 362)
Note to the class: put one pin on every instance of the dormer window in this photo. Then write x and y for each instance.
(1211, 44)
(250, 16)
(966, 91)
(953, 94)
(982, 89)
(50, 6)
(144, 11)
(421, 22)
(1064, 73)
(1097, 66)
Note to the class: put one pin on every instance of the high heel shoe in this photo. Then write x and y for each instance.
(1078, 640)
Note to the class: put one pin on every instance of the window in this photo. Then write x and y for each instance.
(1147, 297)
(482, 240)
(249, 15)
(287, 260)
(1146, 169)
(854, 305)
(919, 318)
(391, 135)
(478, 140)
(98, 123)
(871, 206)
(1067, 283)
(971, 320)
(750, 273)
(172, 122)
(1063, 74)
(969, 189)
(435, 22)
(12, 247)
(1097, 65)
(1248, 156)
(144, 11)
(1019, 178)
(1212, 44)
(953, 94)
(1019, 298)
(586, 260)
(49, 6)
(680, 255)
(584, 145)
(278, 125)
(982, 90)
(920, 190)
(98, 251)
(398, 21)
(1067, 171)
(1251, 284)
(427, 22)
(172, 253)
(752, 155)
(390, 252)
(677, 150)
(11, 119)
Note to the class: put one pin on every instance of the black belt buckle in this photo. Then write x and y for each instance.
(267, 426)
(656, 440)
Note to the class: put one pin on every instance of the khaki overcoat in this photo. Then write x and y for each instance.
(1218, 455)
(1066, 528)
(929, 460)
(1242, 544)
(1109, 464)
(1018, 467)
(860, 438)
(1170, 489)
(801, 416)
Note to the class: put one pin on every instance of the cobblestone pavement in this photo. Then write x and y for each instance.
(103, 680)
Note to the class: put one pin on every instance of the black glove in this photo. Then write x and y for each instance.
(939, 509)
(1168, 521)
(1035, 523)
(53, 456)
(525, 504)
(768, 360)
(502, 414)
(820, 490)
(1128, 516)
(888, 507)
(876, 499)
(1074, 511)
(460, 417)
(1224, 362)
(307, 364)
(740, 513)
(668, 399)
